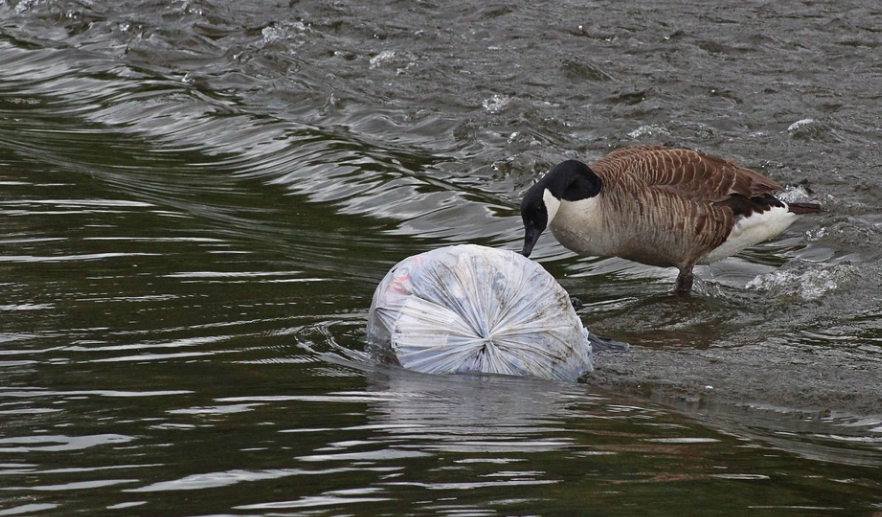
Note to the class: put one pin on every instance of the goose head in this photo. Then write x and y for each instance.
(568, 181)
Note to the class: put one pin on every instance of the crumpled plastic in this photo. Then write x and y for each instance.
(474, 309)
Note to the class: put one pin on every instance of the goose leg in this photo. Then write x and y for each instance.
(684, 281)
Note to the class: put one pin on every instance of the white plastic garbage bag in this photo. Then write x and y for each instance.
(471, 308)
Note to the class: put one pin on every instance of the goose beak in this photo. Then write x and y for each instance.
(530, 237)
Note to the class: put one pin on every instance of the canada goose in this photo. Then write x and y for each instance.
(657, 206)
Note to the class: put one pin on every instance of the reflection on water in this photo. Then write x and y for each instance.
(197, 200)
(471, 414)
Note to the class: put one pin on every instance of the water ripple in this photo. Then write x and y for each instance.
(58, 443)
(199, 197)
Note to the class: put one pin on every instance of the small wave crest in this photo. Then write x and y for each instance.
(804, 281)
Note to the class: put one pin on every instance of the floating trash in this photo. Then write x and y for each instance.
(474, 309)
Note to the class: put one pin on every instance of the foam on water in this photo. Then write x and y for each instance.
(808, 282)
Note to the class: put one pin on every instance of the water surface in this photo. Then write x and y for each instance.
(198, 198)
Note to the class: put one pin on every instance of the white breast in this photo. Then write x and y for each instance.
(578, 225)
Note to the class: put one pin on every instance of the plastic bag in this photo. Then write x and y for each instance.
(471, 308)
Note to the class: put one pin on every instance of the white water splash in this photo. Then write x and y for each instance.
(381, 58)
(809, 283)
(496, 103)
(799, 124)
(794, 194)
(650, 130)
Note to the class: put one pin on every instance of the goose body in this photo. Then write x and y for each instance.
(658, 206)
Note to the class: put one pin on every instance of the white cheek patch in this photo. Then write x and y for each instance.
(552, 204)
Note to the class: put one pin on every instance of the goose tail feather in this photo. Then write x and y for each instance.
(804, 208)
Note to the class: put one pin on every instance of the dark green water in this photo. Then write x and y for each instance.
(197, 200)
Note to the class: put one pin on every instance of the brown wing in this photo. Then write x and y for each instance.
(691, 174)
(661, 228)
